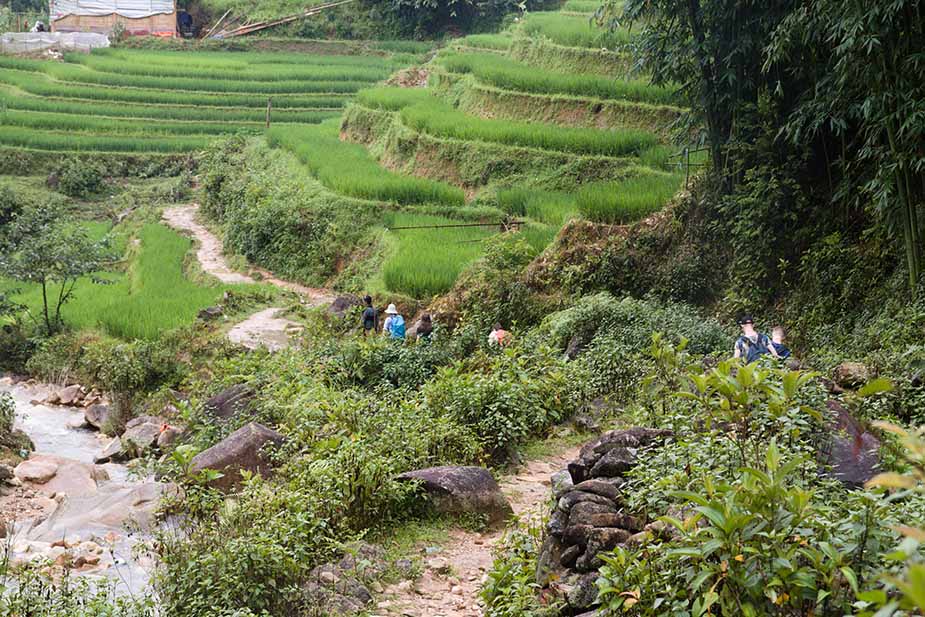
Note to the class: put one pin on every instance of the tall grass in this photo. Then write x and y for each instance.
(574, 30)
(497, 42)
(111, 126)
(427, 262)
(392, 98)
(236, 59)
(257, 73)
(151, 297)
(349, 169)
(78, 75)
(43, 85)
(550, 207)
(437, 118)
(582, 6)
(508, 74)
(628, 200)
(47, 140)
(157, 112)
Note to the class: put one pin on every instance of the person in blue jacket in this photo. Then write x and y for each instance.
(394, 326)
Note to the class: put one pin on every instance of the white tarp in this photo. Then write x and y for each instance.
(133, 9)
(29, 42)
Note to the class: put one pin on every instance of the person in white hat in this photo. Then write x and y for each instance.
(394, 326)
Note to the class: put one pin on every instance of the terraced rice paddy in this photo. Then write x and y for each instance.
(574, 30)
(140, 101)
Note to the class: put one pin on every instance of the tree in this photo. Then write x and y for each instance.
(712, 50)
(866, 64)
(39, 247)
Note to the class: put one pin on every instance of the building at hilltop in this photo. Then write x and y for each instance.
(139, 17)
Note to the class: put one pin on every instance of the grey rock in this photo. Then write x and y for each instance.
(70, 395)
(141, 434)
(112, 452)
(561, 483)
(547, 563)
(569, 556)
(210, 313)
(366, 562)
(462, 490)
(243, 450)
(599, 487)
(581, 512)
(230, 402)
(168, 436)
(583, 593)
(851, 374)
(585, 423)
(567, 501)
(330, 591)
(6, 473)
(610, 519)
(614, 463)
(557, 522)
(343, 303)
(98, 415)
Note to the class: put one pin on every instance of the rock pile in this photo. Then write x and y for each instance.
(589, 516)
(346, 587)
(73, 395)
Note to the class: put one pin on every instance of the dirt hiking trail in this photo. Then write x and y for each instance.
(264, 328)
(452, 578)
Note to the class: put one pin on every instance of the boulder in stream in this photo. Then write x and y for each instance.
(141, 434)
(98, 416)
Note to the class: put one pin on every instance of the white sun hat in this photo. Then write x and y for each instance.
(391, 310)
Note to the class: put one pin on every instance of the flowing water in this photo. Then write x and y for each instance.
(109, 514)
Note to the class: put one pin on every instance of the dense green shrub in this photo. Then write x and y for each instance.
(80, 178)
(33, 592)
(511, 589)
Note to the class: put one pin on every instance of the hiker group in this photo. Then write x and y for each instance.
(752, 344)
(394, 325)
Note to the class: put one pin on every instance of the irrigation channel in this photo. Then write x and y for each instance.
(94, 518)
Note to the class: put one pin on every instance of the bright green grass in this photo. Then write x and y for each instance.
(392, 98)
(427, 262)
(99, 125)
(151, 297)
(437, 118)
(49, 140)
(9, 100)
(498, 42)
(509, 74)
(349, 169)
(550, 207)
(538, 235)
(582, 6)
(74, 74)
(233, 60)
(257, 73)
(43, 85)
(404, 47)
(574, 31)
(628, 200)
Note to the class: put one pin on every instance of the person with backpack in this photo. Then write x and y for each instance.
(394, 326)
(370, 317)
(778, 337)
(752, 344)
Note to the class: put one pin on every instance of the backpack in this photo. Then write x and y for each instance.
(398, 327)
(753, 350)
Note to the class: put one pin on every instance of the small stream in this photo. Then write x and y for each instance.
(106, 515)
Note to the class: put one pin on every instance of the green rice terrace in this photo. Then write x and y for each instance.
(369, 308)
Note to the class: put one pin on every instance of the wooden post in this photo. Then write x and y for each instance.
(687, 155)
(269, 108)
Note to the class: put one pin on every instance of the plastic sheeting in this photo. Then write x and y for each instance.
(29, 42)
(132, 9)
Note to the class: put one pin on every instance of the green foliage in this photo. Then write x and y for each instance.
(43, 251)
(33, 592)
(78, 178)
(505, 397)
(349, 169)
(7, 414)
(629, 200)
(511, 589)
(512, 75)
(575, 30)
(497, 42)
(552, 208)
(392, 98)
(275, 214)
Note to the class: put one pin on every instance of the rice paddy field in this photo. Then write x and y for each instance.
(149, 296)
(143, 101)
(166, 102)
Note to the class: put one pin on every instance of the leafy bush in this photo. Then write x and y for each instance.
(79, 178)
(505, 398)
(33, 592)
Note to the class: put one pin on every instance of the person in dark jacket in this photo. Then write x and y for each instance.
(425, 326)
(752, 344)
(370, 317)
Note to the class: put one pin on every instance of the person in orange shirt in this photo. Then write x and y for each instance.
(499, 336)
